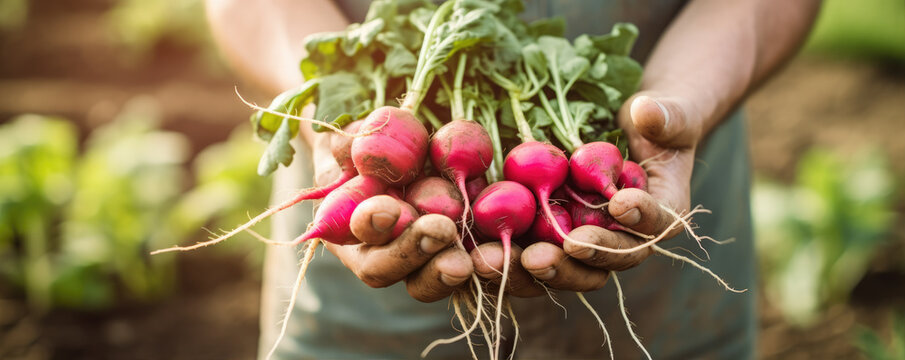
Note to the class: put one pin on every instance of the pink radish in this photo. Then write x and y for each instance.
(595, 167)
(542, 229)
(331, 223)
(396, 148)
(475, 186)
(632, 176)
(542, 168)
(407, 215)
(461, 150)
(434, 195)
(582, 215)
(396, 193)
(503, 211)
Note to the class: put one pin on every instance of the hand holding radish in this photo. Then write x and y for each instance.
(663, 130)
(422, 255)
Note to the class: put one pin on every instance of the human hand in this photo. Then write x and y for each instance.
(662, 128)
(422, 256)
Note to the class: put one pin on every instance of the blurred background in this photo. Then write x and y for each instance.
(120, 133)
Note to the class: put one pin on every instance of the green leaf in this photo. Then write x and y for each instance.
(538, 118)
(623, 74)
(279, 151)
(561, 55)
(361, 36)
(420, 18)
(619, 41)
(547, 27)
(289, 102)
(534, 58)
(341, 98)
(400, 61)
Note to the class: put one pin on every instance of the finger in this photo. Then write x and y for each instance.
(384, 265)
(488, 264)
(663, 121)
(549, 263)
(441, 276)
(602, 237)
(373, 220)
(639, 211)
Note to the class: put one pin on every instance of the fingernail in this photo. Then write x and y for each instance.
(664, 111)
(629, 218)
(430, 245)
(450, 280)
(545, 274)
(382, 221)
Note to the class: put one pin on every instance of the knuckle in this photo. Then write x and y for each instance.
(373, 279)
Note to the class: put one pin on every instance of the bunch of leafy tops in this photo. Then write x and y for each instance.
(512, 76)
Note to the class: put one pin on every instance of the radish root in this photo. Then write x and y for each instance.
(498, 329)
(314, 121)
(628, 323)
(299, 196)
(457, 297)
(578, 199)
(515, 325)
(699, 266)
(303, 268)
(649, 243)
(606, 334)
(467, 332)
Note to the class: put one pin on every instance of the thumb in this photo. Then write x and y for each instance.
(664, 121)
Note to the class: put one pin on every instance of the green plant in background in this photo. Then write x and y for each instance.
(816, 238)
(128, 178)
(227, 188)
(13, 14)
(863, 28)
(76, 229)
(873, 347)
(37, 158)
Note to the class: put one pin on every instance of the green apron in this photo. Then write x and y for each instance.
(679, 312)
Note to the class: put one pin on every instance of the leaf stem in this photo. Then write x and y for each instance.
(422, 72)
(380, 84)
(456, 103)
(559, 130)
(524, 130)
(431, 118)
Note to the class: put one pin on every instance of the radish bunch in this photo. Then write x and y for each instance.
(517, 114)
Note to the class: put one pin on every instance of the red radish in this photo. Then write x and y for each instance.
(461, 150)
(396, 148)
(542, 229)
(541, 167)
(475, 186)
(396, 193)
(331, 223)
(632, 176)
(407, 215)
(595, 167)
(581, 198)
(434, 195)
(503, 211)
(582, 215)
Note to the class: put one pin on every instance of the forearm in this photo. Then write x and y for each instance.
(264, 40)
(717, 51)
